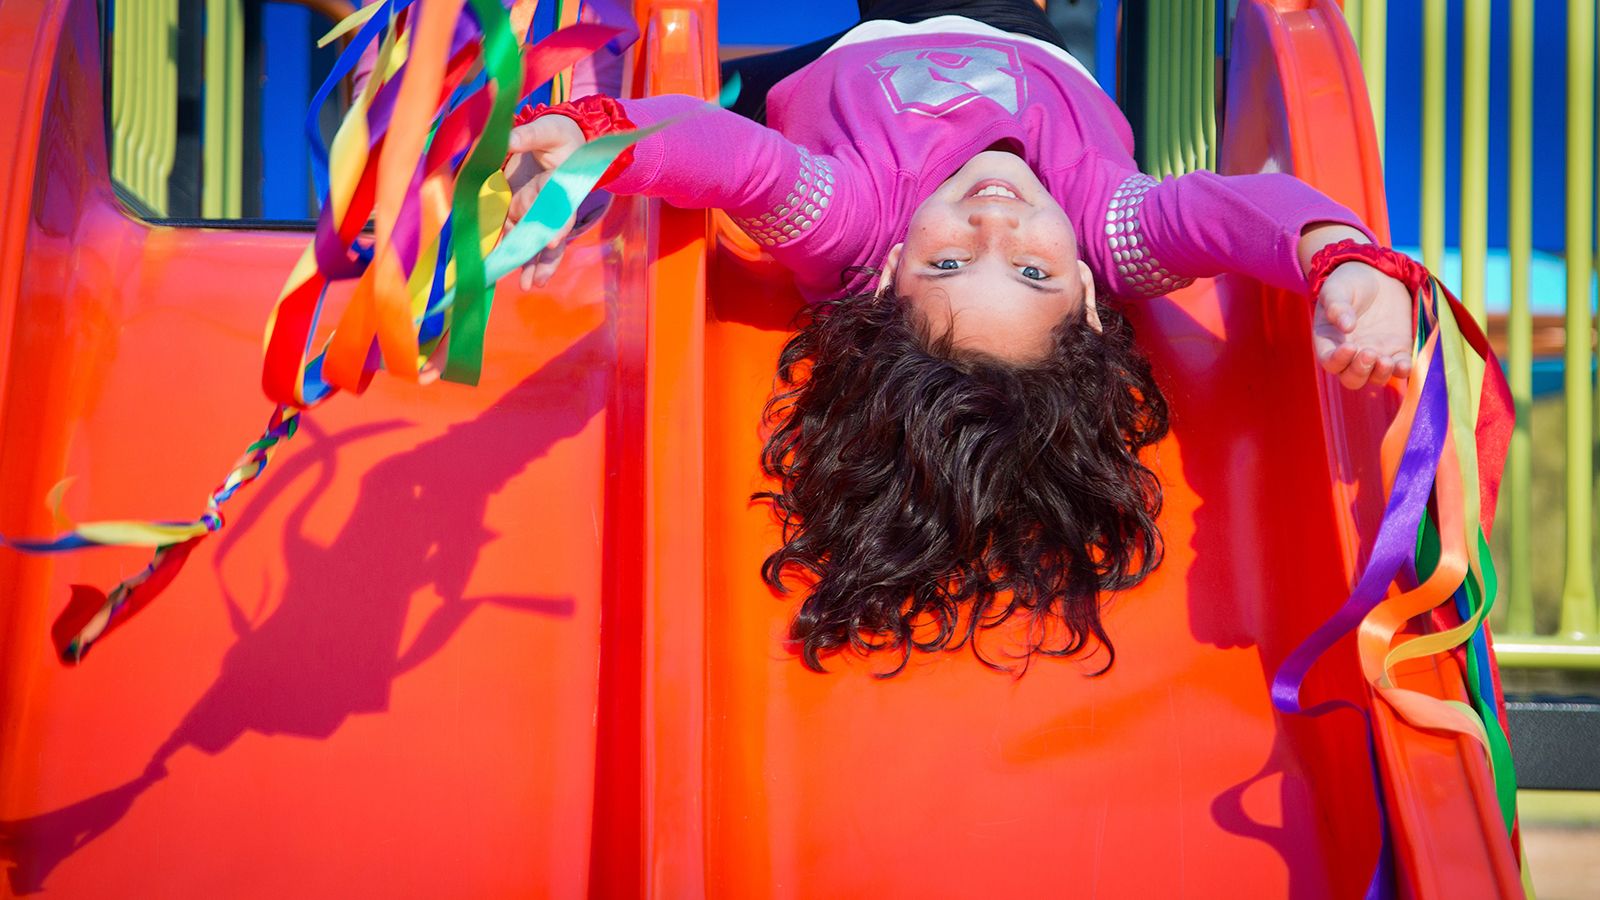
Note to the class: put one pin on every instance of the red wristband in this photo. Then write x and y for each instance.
(595, 115)
(1393, 263)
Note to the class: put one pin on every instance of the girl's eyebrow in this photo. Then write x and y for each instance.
(1039, 286)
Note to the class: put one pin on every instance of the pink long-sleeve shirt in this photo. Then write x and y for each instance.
(862, 136)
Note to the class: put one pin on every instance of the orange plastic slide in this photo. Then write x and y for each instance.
(511, 641)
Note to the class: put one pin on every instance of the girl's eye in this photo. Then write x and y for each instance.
(1034, 273)
(947, 264)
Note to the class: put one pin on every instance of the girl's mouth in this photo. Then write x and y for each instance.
(991, 188)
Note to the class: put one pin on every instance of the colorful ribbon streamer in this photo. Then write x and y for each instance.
(1441, 470)
(419, 153)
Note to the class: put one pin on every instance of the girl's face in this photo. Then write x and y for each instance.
(992, 256)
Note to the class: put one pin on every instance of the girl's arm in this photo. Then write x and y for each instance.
(1200, 225)
(1161, 235)
(794, 202)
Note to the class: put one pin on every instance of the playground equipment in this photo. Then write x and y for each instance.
(512, 640)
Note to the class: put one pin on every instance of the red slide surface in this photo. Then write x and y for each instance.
(511, 640)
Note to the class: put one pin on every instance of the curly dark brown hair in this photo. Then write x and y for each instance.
(917, 481)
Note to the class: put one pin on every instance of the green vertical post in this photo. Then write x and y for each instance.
(1178, 88)
(1149, 154)
(1162, 32)
(223, 163)
(1194, 59)
(1354, 11)
(1174, 89)
(1374, 21)
(1180, 85)
(1518, 499)
(1156, 98)
(236, 109)
(1433, 57)
(1200, 43)
(1208, 97)
(1577, 593)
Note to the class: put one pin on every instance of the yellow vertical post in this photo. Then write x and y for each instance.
(139, 102)
(1374, 22)
(1578, 593)
(120, 96)
(165, 89)
(1474, 153)
(1474, 219)
(223, 150)
(1519, 323)
(147, 87)
(1433, 56)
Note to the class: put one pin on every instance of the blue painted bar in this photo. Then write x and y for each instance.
(1105, 44)
(285, 90)
(761, 23)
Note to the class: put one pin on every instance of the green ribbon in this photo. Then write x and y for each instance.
(503, 60)
(557, 202)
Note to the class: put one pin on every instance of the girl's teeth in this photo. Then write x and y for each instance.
(996, 191)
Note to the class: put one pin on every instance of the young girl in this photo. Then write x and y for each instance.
(957, 430)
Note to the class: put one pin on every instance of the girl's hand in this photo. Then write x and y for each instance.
(536, 149)
(1362, 328)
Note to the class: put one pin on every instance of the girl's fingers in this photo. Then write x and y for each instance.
(522, 200)
(544, 271)
(1338, 358)
(519, 168)
(549, 258)
(1344, 316)
(1338, 311)
(1338, 302)
(1359, 371)
(543, 135)
(544, 267)
(538, 271)
(1382, 371)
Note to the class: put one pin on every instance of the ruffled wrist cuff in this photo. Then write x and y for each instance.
(595, 115)
(1393, 263)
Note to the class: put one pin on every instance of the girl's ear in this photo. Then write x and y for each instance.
(1091, 313)
(890, 265)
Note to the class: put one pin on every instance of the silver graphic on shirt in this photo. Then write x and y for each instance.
(1141, 274)
(933, 82)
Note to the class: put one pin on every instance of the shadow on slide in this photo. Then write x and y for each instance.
(1171, 775)
(395, 682)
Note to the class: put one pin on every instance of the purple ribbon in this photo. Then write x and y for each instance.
(1392, 552)
(1396, 542)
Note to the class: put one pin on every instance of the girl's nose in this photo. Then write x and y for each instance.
(993, 215)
